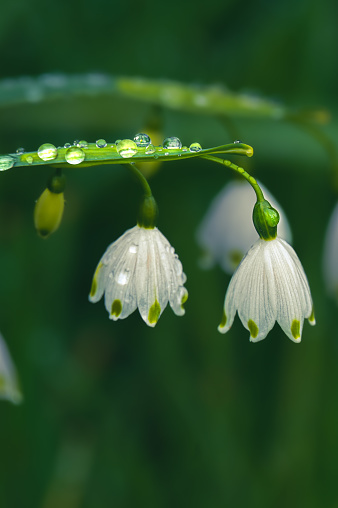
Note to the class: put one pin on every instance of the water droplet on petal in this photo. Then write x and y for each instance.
(101, 143)
(82, 144)
(142, 139)
(195, 147)
(20, 151)
(237, 141)
(123, 277)
(47, 152)
(76, 142)
(172, 143)
(29, 159)
(126, 148)
(75, 155)
(150, 149)
(67, 145)
(6, 162)
(133, 248)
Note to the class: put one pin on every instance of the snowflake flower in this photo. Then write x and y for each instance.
(330, 259)
(9, 386)
(140, 269)
(269, 285)
(226, 233)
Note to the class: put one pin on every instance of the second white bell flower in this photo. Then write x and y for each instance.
(140, 270)
(269, 285)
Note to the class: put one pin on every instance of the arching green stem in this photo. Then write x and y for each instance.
(148, 212)
(141, 178)
(241, 171)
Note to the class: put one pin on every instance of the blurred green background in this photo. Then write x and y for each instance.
(118, 414)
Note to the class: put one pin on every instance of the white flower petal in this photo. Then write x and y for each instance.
(330, 257)
(9, 386)
(140, 270)
(227, 232)
(269, 285)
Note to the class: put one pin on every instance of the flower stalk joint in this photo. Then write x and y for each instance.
(265, 219)
(148, 213)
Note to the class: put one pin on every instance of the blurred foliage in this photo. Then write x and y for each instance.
(117, 414)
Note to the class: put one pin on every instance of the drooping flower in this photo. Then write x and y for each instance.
(226, 232)
(330, 258)
(9, 387)
(269, 285)
(140, 269)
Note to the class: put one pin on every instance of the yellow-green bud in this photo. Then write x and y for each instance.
(48, 212)
(265, 219)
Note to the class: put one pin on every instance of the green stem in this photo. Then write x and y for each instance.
(241, 171)
(141, 178)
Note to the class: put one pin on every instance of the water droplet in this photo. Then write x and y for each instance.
(195, 147)
(142, 139)
(150, 149)
(237, 141)
(6, 162)
(75, 155)
(47, 152)
(126, 148)
(76, 142)
(184, 148)
(20, 151)
(101, 143)
(82, 144)
(29, 159)
(172, 143)
(67, 145)
(123, 277)
(133, 248)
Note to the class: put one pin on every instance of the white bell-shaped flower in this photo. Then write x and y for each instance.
(269, 285)
(9, 386)
(330, 258)
(226, 232)
(140, 269)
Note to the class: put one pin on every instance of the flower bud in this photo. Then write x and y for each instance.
(265, 219)
(48, 212)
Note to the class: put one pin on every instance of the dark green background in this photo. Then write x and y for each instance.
(118, 414)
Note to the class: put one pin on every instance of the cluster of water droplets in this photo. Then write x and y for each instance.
(126, 148)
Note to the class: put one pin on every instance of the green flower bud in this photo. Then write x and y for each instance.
(148, 213)
(48, 212)
(265, 219)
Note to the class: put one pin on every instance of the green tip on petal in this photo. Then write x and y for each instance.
(154, 313)
(184, 299)
(93, 289)
(253, 328)
(116, 308)
(312, 319)
(223, 321)
(295, 329)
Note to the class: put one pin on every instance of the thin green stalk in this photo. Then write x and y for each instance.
(241, 171)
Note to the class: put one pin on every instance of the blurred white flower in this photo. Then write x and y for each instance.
(140, 269)
(9, 387)
(330, 258)
(269, 285)
(227, 231)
